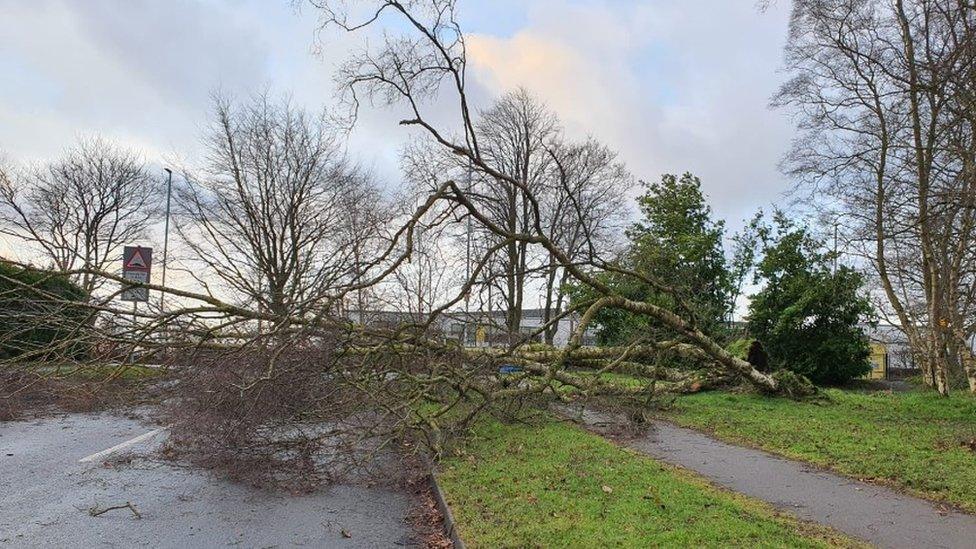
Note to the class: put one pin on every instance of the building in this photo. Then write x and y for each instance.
(890, 352)
(477, 328)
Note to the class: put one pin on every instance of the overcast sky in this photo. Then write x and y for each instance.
(673, 85)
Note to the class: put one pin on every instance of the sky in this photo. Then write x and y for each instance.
(673, 85)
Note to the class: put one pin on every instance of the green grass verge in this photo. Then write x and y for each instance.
(98, 372)
(912, 439)
(131, 372)
(553, 484)
(93, 371)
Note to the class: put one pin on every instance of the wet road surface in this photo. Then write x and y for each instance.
(46, 494)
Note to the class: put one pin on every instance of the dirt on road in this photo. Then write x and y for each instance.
(52, 499)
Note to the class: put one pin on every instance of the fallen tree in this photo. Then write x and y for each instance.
(430, 56)
(304, 384)
(259, 394)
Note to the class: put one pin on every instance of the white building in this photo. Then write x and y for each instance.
(478, 329)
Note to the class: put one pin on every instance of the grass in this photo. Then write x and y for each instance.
(553, 484)
(913, 440)
(93, 371)
(130, 372)
(48, 388)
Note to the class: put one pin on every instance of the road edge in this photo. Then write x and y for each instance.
(450, 526)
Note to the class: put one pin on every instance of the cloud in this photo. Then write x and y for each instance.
(674, 86)
(138, 71)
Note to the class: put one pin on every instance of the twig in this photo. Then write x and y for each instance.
(94, 511)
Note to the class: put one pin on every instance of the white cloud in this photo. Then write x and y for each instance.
(673, 85)
(138, 71)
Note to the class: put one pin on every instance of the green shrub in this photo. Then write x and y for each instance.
(39, 315)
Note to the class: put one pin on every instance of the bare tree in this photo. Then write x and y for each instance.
(577, 188)
(365, 217)
(884, 92)
(78, 211)
(431, 274)
(515, 133)
(583, 210)
(270, 215)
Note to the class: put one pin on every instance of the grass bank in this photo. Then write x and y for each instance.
(553, 484)
(42, 389)
(916, 440)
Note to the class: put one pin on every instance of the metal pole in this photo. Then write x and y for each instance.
(169, 192)
(467, 270)
(835, 247)
(467, 259)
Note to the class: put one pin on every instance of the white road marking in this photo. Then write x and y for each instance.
(132, 441)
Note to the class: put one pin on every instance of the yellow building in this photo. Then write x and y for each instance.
(879, 362)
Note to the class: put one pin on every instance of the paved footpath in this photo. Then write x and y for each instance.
(881, 516)
(46, 492)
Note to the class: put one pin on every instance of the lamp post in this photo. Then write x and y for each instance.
(836, 223)
(169, 189)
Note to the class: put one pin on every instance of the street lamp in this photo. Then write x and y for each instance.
(836, 224)
(169, 189)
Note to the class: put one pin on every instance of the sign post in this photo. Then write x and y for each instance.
(136, 266)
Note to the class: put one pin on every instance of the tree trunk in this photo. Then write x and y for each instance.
(969, 365)
(547, 314)
(940, 361)
(968, 359)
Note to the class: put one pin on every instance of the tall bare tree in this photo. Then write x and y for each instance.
(577, 188)
(883, 89)
(78, 211)
(431, 274)
(366, 216)
(516, 134)
(270, 215)
(583, 210)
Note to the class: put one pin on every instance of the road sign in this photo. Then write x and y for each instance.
(137, 258)
(136, 266)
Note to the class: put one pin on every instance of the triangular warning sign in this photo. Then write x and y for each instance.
(137, 261)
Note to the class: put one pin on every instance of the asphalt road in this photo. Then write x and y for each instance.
(46, 494)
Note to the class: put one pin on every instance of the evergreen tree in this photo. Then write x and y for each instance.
(806, 316)
(677, 243)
